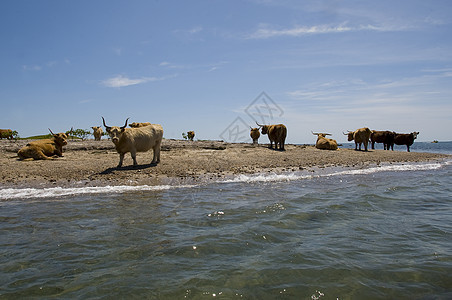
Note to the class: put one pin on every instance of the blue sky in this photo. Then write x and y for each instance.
(323, 66)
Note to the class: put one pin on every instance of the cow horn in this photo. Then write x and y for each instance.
(51, 132)
(259, 124)
(314, 133)
(106, 127)
(126, 123)
(344, 133)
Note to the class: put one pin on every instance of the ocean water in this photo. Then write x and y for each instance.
(380, 232)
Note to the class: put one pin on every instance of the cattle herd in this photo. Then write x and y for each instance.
(141, 137)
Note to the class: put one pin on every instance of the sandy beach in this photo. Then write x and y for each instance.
(93, 163)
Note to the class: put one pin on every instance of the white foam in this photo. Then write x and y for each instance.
(27, 193)
(292, 176)
(13, 193)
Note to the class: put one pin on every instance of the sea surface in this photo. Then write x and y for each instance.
(380, 232)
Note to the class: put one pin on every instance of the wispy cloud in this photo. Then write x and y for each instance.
(121, 81)
(266, 31)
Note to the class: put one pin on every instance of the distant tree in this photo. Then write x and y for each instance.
(79, 133)
(15, 135)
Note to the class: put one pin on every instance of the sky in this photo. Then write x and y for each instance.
(218, 66)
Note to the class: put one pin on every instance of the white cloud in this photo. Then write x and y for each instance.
(266, 31)
(121, 81)
(32, 68)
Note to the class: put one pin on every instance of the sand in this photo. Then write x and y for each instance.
(93, 163)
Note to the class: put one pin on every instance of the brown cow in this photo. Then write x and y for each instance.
(191, 135)
(255, 134)
(325, 143)
(405, 139)
(276, 133)
(44, 149)
(361, 136)
(6, 133)
(138, 125)
(385, 137)
(97, 132)
(135, 140)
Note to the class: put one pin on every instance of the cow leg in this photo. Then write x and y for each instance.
(365, 146)
(156, 158)
(407, 148)
(373, 146)
(121, 159)
(133, 153)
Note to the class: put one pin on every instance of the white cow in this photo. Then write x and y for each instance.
(135, 140)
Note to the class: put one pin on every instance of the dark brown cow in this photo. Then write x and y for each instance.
(385, 137)
(276, 133)
(6, 133)
(255, 134)
(405, 139)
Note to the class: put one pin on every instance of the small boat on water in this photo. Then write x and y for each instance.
(435, 141)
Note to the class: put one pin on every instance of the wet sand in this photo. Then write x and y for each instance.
(93, 163)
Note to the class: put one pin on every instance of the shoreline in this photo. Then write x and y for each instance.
(93, 163)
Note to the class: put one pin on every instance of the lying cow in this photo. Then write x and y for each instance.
(276, 133)
(255, 134)
(325, 143)
(44, 149)
(385, 137)
(405, 139)
(361, 136)
(6, 133)
(138, 125)
(135, 140)
(191, 135)
(97, 132)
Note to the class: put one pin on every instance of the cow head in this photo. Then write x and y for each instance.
(415, 134)
(59, 138)
(115, 132)
(264, 128)
(349, 135)
(319, 134)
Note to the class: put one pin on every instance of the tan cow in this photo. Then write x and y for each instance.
(276, 133)
(138, 125)
(6, 133)
(97, 132)
(191, 135)
(325, 143)
(255, 134)
(361, 136)
(44, 149)
(135, 140)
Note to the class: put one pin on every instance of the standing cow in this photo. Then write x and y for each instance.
(276, 133)
(325, 143)
(361, 136)
(385, 137)
(255, 134)
(97, 132)
(135, 140)
(191, 135)
(405, 139)
(44, 149)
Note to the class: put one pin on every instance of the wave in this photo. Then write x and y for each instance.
(27, 193)
(13, 193)
(329, 172)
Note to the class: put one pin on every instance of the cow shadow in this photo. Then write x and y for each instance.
(128, 168)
